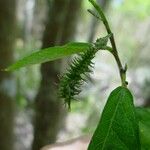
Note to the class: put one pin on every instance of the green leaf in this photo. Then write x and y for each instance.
(144, 126)
(118, 126)
(49, 54)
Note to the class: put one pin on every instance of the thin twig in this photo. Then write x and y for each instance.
(114, 51)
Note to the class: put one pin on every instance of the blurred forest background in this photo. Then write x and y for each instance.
(31, 115)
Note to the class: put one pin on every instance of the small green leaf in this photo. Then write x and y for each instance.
(143, 115)
(49, 54)
(118, 127)
(144, 125)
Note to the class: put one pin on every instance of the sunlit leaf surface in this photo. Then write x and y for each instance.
(118, 126)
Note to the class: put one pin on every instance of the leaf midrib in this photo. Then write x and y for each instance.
(112, 119)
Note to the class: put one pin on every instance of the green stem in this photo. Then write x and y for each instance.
(114, 51)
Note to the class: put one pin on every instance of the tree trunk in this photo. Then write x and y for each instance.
(48, 108)
(7, 90)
